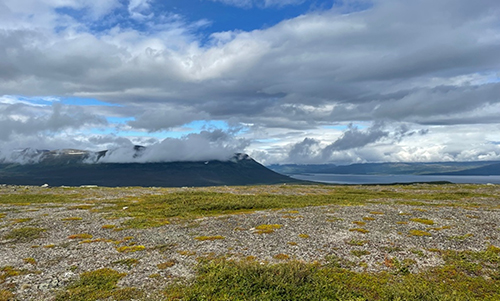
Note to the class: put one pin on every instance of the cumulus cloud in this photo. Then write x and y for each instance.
(393, 62)
(207, 145)
(19, 119)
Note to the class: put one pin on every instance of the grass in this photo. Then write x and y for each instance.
(422, 221)
(294, 280)
(98, 285)
(266, 229)
(419, 233)
(360, 230)
(203, 238)
(128, 262)
(130, 249)
(25, 234)
(80, 236)
(72, 218)
(359, 253)
(166, 264)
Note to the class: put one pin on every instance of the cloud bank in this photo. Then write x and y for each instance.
(336, 84)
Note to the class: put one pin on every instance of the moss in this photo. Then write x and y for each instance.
(461, 237)
(129, 249)
(418, 252)
(368, 218)
(186, 253)
(359, 223)
(51, 246)
(422, 221)
(359, 253)
(30, 260)
(6, 295)
(303, 235)
(419, 233)
(25, 234)
(292, 243)
(98, 285)
(203, 238)
(438, 228)
(472, 216)
(401, 223)
(281, 256)
(88, 241)
(360, 230)
(128, 262)
(72, 218)
(108, 227)
(354, 242)
(80, 236)
(266, 229)
(166, 264)
(2, 215)
(377, 212)
(21, 220)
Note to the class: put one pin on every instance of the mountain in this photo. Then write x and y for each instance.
(77, 167)
(434, 168)
(488, 170)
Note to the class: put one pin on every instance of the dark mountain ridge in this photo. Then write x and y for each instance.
(432, 168)
(76, 168)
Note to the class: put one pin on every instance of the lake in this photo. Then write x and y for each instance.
(389, 179)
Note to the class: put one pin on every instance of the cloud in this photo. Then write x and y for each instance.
(207, 145)
(260, 3)
(20, 119)
(388, 62)
(139, 8)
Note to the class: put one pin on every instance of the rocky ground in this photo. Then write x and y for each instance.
(76, 239)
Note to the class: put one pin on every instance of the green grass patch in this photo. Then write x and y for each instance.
(28, 199)
(72, 218)
(80, 236)
(422, 221)
(128, 262)
(166, 264)
(266, 229)
(25, 234)
(359, 253)
(355, 242)
(294, 280)
(203, 238)
(98, 285)
(419, 233)
(130, 249)
(360, 230)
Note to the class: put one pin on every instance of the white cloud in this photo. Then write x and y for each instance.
(395, 62)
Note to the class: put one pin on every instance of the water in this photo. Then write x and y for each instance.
(389, 179)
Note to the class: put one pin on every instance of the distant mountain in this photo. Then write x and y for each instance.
(435, 168)
(488, 170)
(77, 167)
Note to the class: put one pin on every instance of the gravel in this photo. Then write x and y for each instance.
(307, 234)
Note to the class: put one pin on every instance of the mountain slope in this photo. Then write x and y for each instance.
(240, 170)
(458, 168)
(488, 170)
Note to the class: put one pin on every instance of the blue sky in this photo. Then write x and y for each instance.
(286, 81)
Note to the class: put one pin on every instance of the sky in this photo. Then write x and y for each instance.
(285, 81)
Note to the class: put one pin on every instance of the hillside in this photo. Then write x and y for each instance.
(432, 168)
(70, 170)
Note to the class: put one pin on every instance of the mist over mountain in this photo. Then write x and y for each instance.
(131, 167)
